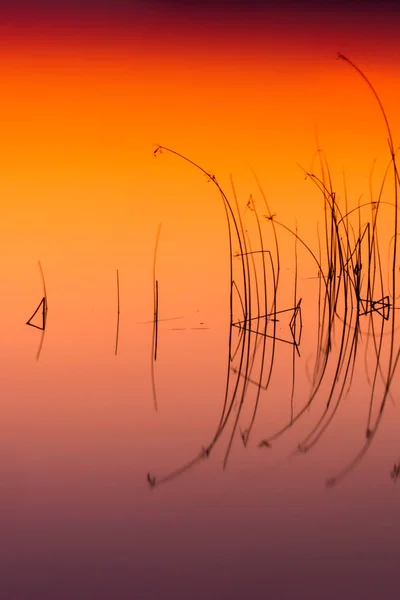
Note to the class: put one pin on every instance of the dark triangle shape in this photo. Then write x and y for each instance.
(382, 307)
(289, 319)
(43, 305)
(296, 324)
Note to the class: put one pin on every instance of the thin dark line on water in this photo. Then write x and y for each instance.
(159, 320)
(44, 307)
(294, 331)
(156, 323)
(154, 345)
(118, 317)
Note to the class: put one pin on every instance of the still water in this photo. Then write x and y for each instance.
(217, 421)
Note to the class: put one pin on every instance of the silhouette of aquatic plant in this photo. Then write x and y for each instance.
(395, 473)
(42, 305)
(154, 346)
(118, 317)
(355, 309)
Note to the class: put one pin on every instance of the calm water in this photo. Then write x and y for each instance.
(80, 435)
(208, 497)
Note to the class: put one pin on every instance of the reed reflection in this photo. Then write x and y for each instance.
(355, 308)
(41, 323)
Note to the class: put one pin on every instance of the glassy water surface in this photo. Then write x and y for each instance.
(221, 419)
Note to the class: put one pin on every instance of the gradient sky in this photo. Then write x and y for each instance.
(379, 17)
